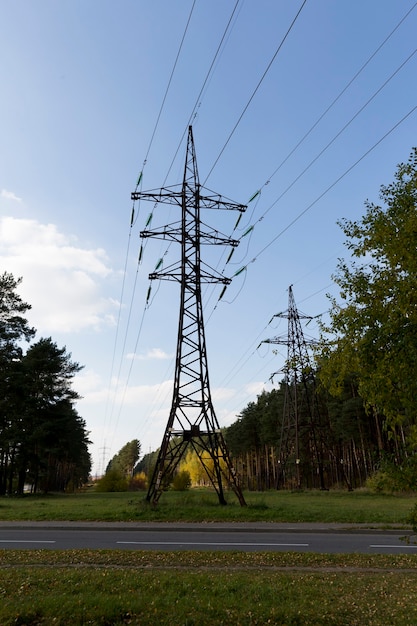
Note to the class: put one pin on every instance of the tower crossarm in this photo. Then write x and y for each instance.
(175, 194)
(173, 232)
(173, 272)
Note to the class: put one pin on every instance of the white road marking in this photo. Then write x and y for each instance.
(217, 543)
(23, 541)
(393, 546)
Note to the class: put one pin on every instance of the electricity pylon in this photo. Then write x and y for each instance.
(301, 421)
(192, 420)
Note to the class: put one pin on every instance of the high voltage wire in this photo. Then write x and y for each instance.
(169, 82)
(132, 217)
(256, 195)
(335, 183)
(324, 150)
(208, 75)
(198, 101)
(128, 377)
(234, 370)
(347, 171)
(256, 89)
(340, 94)
(406, 116)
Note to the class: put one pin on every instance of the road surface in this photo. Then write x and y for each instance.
(225, 537)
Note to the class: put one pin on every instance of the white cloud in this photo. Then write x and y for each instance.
(254, 388)
(9, 195)
(61, 280)
(154, 353)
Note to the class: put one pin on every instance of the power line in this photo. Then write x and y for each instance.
(354, 165)
(340, 94)
(168, 85)
(345, 173)
(133, 212)
(257, 194)
(255, 90)
(208, 75)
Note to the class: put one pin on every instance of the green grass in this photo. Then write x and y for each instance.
(200, 505)
(99, 587)
(195, 588)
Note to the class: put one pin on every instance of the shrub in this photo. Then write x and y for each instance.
(181, 481)
(393, 477)
(138, 482)
(113, 480)
(381, 482)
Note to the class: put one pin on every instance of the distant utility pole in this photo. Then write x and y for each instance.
(301, 420)
(192, 420)
(104, 450)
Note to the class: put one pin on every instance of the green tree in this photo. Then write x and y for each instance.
(126, 459)
(372, 333)
(14, 328)
(13, 325)
(53, 446)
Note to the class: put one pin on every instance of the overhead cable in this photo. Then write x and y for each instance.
(345, 173)
(198, 100)
(256, 89)
(167, 90)
(331, 105)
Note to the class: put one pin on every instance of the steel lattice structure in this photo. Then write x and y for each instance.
(192, 420)
(302, 412)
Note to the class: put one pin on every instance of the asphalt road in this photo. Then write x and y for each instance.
(242, 537)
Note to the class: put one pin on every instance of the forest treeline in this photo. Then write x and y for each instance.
(43, 440)
(340, 444)
(337, 444)
(348, 415)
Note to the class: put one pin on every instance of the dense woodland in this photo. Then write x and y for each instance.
(43, 441)
(338, 444)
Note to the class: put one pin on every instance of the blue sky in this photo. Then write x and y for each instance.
(316, 116)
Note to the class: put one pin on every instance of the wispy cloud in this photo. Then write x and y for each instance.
(154, 354)
(10, 195)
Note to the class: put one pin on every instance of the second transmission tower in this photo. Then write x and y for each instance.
(302, 422)
(192, 420)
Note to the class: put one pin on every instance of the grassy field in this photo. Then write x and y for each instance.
(96, 587)
(197, 506)
(194, 588)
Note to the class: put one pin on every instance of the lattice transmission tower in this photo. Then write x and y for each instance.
(192, 420)
(302, 426)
